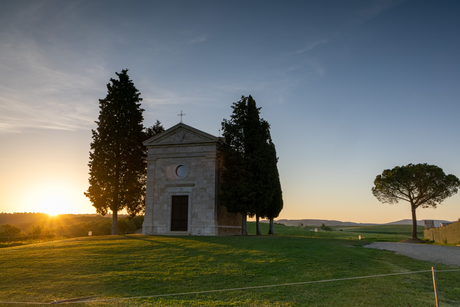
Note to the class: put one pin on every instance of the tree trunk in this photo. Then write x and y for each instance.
(414, 222)
(244, 225)
(270, 228)
(116, 196)
(115, 213)
(114, 222)
(257, 225)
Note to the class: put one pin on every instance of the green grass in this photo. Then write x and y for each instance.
(129, 266)
(381, 233)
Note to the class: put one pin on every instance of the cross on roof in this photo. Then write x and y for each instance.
(181, 114)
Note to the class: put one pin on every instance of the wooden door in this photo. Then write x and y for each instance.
(179, 216)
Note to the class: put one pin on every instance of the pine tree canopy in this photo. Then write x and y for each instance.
(421, 185)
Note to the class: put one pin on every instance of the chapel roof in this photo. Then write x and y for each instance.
(181, 134)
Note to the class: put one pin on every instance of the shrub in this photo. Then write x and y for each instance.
(138, 220)
(10, 231)
(103, 228)
(126, 226)
(39, 232)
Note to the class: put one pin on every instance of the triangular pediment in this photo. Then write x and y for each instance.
(181, 134)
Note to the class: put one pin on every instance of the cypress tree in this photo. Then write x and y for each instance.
(247, 178)
(234, 193)
(117, 157)
(275, 206)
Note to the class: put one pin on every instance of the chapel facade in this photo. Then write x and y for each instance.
(182, 185)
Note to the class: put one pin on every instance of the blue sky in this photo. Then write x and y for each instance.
(350, 88)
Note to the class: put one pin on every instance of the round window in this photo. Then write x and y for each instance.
(181, 171)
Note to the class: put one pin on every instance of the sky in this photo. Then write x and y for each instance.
(350, 88)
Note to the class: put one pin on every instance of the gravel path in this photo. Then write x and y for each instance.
(449, 255)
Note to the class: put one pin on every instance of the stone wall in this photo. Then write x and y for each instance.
(447, 234)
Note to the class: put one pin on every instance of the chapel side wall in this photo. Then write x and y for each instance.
(229, 223)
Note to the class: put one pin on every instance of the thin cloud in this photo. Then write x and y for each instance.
(317, 67)
(48, 88)
(35, 95)
(17, 114)
(6, 128)
(311, 46)
(199, 39)
(376, 7)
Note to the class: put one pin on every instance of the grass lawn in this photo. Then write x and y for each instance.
(381, 233)
(134, 265)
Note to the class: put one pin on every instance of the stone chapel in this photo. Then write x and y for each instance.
(182, 185)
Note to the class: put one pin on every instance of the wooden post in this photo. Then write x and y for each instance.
(435, 289)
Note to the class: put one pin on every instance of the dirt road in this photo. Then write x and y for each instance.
(449, 255)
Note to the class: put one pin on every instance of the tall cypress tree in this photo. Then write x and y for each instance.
(234, 192)
(117, 157)
(247, 157)
(257, 162)
(275, 206)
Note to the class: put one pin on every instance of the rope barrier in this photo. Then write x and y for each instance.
(24, 303)
(224, 290)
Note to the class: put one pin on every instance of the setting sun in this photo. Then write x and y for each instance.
(54, 198)
(53, 205)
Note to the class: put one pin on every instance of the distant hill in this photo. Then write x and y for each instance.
(419, 223)
(26, 220)
(310, 222)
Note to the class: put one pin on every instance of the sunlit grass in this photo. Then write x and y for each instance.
(135, 265)
(382, 233)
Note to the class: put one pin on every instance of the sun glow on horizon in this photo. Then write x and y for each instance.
(53, 205)
(53, 198)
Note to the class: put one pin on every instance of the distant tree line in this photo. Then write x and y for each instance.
(98, 228)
